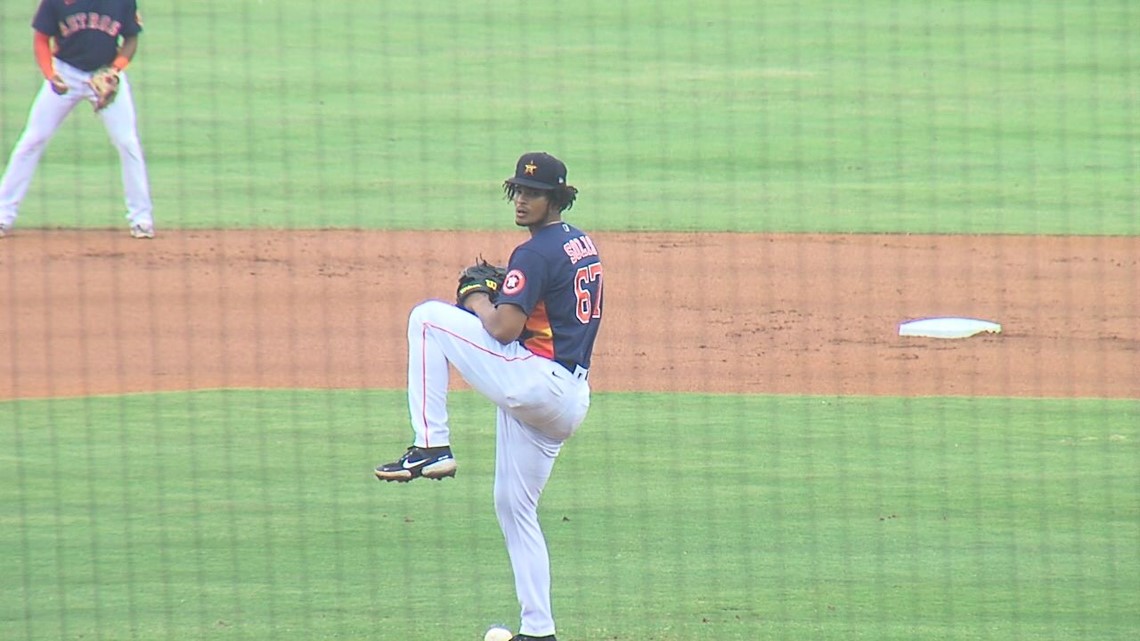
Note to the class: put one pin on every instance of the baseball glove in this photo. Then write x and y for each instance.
(105, 83)
(480, 277)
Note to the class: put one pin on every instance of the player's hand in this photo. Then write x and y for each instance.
(58, 85)
(481, 277)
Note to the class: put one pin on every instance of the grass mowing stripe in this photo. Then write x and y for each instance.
(876, 116)
(252, 514)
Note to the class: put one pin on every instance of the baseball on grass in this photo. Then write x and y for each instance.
(497, 633)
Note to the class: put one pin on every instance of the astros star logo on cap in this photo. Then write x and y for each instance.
(530, 167)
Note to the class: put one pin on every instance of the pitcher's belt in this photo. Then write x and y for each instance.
(577, 370)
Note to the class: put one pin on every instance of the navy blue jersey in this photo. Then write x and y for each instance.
(87, 32)
(556, 278)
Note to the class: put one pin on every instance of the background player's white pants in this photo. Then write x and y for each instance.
(540, 403)
(48, 113)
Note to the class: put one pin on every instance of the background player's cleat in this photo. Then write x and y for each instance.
(142, 231)
(527, 637)
(428, 462)
(3, 230)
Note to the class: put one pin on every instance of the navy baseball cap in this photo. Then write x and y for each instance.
(539, 170)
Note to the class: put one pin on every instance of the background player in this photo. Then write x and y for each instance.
(529, 352)
(72, 39)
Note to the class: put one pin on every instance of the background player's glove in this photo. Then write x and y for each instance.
(105, 83)
(480, 277)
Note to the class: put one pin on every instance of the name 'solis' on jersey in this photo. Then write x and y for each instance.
(579, 248)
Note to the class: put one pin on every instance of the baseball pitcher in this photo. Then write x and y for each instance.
(522, 336)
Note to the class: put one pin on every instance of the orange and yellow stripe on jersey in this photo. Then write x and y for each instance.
(538, 335)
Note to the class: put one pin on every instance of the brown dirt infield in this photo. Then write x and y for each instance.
(96, 312)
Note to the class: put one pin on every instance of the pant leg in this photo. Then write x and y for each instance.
(524, 459)
(48, 111)
(121, 123)
(438, 334)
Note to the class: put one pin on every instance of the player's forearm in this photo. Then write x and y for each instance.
(493, 319)
(126, 52)
(41, 45)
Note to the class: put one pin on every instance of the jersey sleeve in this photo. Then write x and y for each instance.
(525, 281)
(133, 25)
(45, 20)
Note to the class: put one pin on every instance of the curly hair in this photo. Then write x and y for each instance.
(562, 196)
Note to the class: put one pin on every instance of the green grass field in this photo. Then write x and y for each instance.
(253, 514)
(864, 116)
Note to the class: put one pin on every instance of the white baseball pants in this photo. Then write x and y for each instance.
(541, 404)
(48, 113)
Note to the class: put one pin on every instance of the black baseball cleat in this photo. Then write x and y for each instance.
(428, 462)
(527, 637)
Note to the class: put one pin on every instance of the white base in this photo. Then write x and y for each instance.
(948, 327)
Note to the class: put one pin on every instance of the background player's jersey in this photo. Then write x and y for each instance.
(87, 32)
(556, 278)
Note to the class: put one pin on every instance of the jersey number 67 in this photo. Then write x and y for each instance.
(589, 303)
